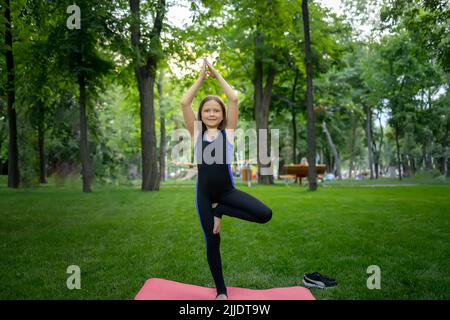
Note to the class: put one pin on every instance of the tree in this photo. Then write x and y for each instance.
(37, 75)
(146, 57)
(427, 20)
(162, 126)
(312, 182)
(337, 158)
(77, 52)
(13, 153)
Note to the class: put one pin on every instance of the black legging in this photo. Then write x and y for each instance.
(234, 203)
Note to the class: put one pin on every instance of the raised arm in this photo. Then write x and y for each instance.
(232, 113)
(186, 101)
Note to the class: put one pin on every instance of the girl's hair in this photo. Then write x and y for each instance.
(223, 123)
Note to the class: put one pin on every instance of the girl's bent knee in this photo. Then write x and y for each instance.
(267, 216)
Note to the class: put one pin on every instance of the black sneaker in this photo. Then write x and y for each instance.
(317, 280)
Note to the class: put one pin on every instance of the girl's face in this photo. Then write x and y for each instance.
(212, 114)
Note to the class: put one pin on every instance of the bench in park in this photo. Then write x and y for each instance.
(299, 171)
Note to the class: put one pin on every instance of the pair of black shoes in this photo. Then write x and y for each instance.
(315, 279)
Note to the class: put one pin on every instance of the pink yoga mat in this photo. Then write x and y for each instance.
(162, 289)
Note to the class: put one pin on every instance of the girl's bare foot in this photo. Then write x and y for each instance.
(216, 228)
(217, 221)
(222, 296)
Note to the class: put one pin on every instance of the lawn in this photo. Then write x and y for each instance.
(121, 236)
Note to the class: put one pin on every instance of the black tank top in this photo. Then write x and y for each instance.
(213, 163)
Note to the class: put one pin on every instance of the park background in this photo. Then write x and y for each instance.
(87, 114)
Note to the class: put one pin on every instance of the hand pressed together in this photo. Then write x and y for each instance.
(207, 70)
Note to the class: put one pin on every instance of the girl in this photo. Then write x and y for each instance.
(215, 191)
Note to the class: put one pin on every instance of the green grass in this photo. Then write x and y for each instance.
(420, 179)
(121, 236)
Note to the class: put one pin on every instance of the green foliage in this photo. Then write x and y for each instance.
(115, 135)
(402, 77)
(62, 140)
(3, 131)
(428, 23)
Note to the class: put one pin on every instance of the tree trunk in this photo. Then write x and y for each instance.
(369, 137)
(145, 64)
(84, 146)
(311, 134)
(162, 127)
(445, 164)
(375, 164)
(398, 152)
(352, 148)
(429, 152)
(337, 159)
(424, 156)
(294, 116)
(13, 151)
(403, 163)
(377, 150)
(327, 159)
(261, 104)
(1, 161)
(294, 128)
(150, 175)
(376, 157)
(41, 137)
